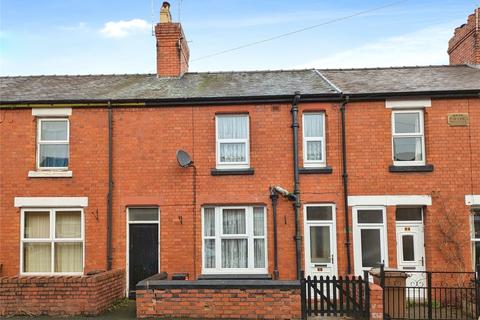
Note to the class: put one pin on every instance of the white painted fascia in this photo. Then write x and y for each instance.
(408, 103)
(51, 112)
(49, 202)
(390, 200)
(472, 199)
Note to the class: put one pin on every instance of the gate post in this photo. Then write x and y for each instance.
(429, 292)
(303, 298)
(477, 289)
(366, 307)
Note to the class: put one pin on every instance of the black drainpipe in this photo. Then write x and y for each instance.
(296, 186)
(110, 187)
(274, 198)
(345, 185)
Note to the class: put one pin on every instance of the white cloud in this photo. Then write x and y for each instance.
(124, 28)
(422, 47)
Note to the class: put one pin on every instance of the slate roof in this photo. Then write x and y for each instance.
(239, 84)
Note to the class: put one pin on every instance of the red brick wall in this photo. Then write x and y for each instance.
(219, 303)
(464, 46)
(376, 301)
(172, 50)
(61, 296)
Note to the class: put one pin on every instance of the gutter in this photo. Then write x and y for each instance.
(110, 188)
(296, 185)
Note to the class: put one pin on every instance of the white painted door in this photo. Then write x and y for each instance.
(411, 254)
(320, 241)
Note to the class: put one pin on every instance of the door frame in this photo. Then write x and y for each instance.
(357, 244)
(333, 236)
(127, 240)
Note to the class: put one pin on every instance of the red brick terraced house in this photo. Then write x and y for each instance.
(292, 172)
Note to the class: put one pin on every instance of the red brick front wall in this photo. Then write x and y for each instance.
(219, 303)
(60, 296)
(145, 172)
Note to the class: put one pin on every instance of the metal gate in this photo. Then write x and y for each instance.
(332, 296)
(433, 295)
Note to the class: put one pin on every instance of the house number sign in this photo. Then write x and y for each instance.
(458, 119)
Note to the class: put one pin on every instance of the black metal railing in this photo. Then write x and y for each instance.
(332, 296)
(430, 295)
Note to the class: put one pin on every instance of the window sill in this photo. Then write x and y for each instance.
(50, 174)
(320, 170)
(425, 168)
(234, 277)
(232, 172)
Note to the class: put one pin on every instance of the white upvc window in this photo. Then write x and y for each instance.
(53, 144)
(314, 139)
(408, 141)
(234, 240)
(232, 141)
(52, 241)
(475, 236)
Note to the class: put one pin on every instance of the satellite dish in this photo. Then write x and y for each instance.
(183, 159)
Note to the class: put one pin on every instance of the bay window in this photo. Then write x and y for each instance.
(234, 240)
(408, 137)
(52, 241)
(314, 139)
(232, 141)
(53, 143)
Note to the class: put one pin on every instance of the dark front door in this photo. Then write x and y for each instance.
(143, 253)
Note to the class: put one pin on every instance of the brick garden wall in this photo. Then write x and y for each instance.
(61, 295)
(250, 300)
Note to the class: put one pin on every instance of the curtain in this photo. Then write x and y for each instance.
(234, 221)
(54, 131)
(232, 152)
(68, 224)
(234, 127)
(258, 222)
(259, 251)
(314, 150)
(408, 149)
(37, 257)
(68, 257)
(209, 253)
(209, 220)
(53, 155)
(313, 125)
(234, 253)
(37, 225)
(418, 149)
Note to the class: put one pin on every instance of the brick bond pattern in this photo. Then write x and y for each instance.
(60, 296)
(464, 46)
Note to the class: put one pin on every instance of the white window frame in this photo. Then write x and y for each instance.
(52, 239)
(314, 163)
(420, 134)
(249, 236)
(232, 165)
(50, 142)
(357, 240)
(473, 240)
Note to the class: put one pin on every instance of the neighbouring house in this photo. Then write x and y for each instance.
(315, 172)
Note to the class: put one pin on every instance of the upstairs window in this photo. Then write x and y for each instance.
(232, 141)
(53, 144)
(408, 138)
(314, 139)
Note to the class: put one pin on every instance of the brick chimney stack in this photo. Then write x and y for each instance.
(464, 46)
(172, 48)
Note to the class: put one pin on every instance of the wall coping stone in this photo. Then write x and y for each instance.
(217, 284)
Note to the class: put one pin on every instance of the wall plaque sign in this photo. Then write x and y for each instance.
(458, 119)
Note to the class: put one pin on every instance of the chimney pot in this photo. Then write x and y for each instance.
(165, 16)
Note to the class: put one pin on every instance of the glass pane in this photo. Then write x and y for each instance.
(370, 216)
(232, 152)
(54, 131)
(68, 224)
(209, 220)
(407, 149)
(476, 252)
(319, 213)
(209, 253)
(234, 253)
(68, 257)
(53, 155)
(143, 214)
(407, 122)
(259, 246)
(408, 248)
(476, 226)
(314, 150)
(234, 221)
(320, 244)
(232, 127)
(37, 257)
(371, 248)
(258, 221)
(408, 214)
(313, 125)
(37, 225)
